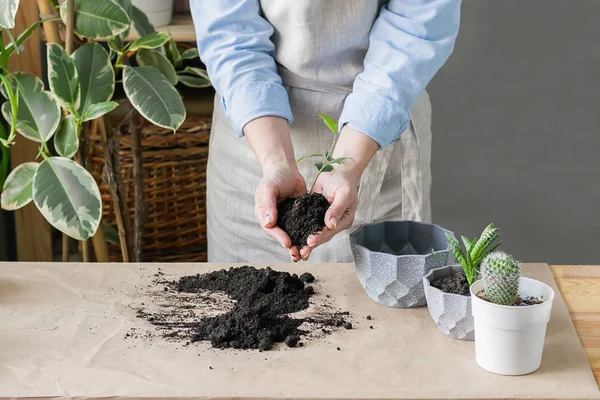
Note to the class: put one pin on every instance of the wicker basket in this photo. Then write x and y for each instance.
(175, 189)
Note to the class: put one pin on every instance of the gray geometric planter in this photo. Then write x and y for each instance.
(391, 258)
(451, 312)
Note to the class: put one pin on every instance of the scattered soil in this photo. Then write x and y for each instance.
(240, 308)
(520, 302)
(456, 284)
(302, 216)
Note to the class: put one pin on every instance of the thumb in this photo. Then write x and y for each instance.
(265, 205)
(341, 202)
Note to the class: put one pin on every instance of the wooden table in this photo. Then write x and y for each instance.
(580, 287)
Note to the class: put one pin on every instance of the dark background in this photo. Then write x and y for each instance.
(516, 128)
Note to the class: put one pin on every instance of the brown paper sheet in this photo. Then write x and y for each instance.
(62, 329)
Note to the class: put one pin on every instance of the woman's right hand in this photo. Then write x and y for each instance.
(279, 182)
(270, 140)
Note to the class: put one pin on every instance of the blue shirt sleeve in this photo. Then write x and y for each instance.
(409, 42)
(234, 44)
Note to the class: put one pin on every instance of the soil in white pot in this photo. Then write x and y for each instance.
(455, 284)
(519, 302)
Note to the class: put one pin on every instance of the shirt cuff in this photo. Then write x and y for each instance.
(378, 117)
(252, 100)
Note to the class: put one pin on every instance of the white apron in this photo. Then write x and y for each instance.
(317, 69)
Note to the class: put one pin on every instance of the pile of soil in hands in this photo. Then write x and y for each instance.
(456, 284)
(302, 216)
(256, 318)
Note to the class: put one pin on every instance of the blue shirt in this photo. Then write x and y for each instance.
(409, 42)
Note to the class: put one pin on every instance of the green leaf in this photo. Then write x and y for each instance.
(111, 233)
(98, 19)
(305, 157)
(190, 54)
(151, 41)
(196, 71)
(16, 192)
(99, 109)
(22, 37)
(96, 75)
(112, 44)
(63, 77)
(326, 168)
(330, 123)
(127, 6)
(466, 242)
(153, 58)
(140, 22)
(153, 96)
(193, 81)
(66, 140)
(68, 197)
(174, 53)
(8, 10)
(39, 112)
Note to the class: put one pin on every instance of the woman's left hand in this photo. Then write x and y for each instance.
(340, 186)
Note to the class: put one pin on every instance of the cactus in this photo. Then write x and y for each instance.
(501, 275)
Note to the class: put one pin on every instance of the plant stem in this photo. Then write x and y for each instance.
(5, 157)
(135, 127)
(315, 181)
(3, 55)
(70, 34)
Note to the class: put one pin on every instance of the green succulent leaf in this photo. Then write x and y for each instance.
(140, 22)
(96, 75)
(153, 96)
(190, 54)
(68, 197)
(63, 77)
(150, 41)
(16, 192)
(99, 109)
(174, 53)
(329, 123)
(193, 81)
(153, 58)
(66, 139)
(39, 112)
(8, 11)
(98, 19)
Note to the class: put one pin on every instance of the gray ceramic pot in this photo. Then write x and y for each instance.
(451, 312)
(391, 258)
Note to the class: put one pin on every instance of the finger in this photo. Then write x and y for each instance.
(305, 252)
(265, 205)
(338, 208)
(279, 235)
(319, 238)
(295, 254)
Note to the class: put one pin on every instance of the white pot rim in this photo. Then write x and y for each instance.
(529, 307)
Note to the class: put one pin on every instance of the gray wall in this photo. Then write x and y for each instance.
(516, 125)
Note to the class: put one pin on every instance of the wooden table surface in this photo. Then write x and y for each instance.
(580, 287)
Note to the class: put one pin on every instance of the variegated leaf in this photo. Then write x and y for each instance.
(96, 75)
(63, 77)
(8, 10)
(174, 53)
(140, 22)
(196, 71)
(66, 139)
(127, 6)
(190, 54)
(151, 41)
(39, 111)
(99, 109)
(16, 192)
(193, 81)
(153, 58)
(97, 19)
(153, 96)
(68, 197)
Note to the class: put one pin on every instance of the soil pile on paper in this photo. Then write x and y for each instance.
(254, 314)
(302, 216)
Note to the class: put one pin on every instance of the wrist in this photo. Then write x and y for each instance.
(269, 138)
(357, 146)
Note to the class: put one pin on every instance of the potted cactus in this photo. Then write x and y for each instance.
(511, 314)
(447, 288)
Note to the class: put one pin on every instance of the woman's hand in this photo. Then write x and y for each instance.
(270, 140)
(340, 186)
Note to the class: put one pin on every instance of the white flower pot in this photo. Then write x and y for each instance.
(159, 12)
(509, 340)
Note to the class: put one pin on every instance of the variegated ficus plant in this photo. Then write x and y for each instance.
(81, 88)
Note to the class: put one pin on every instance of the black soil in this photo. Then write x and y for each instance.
(520, 302)
(259, 316)
(302, 216)
(456, 284)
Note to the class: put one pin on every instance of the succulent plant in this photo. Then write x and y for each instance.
(501, 273)
(476, 250)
